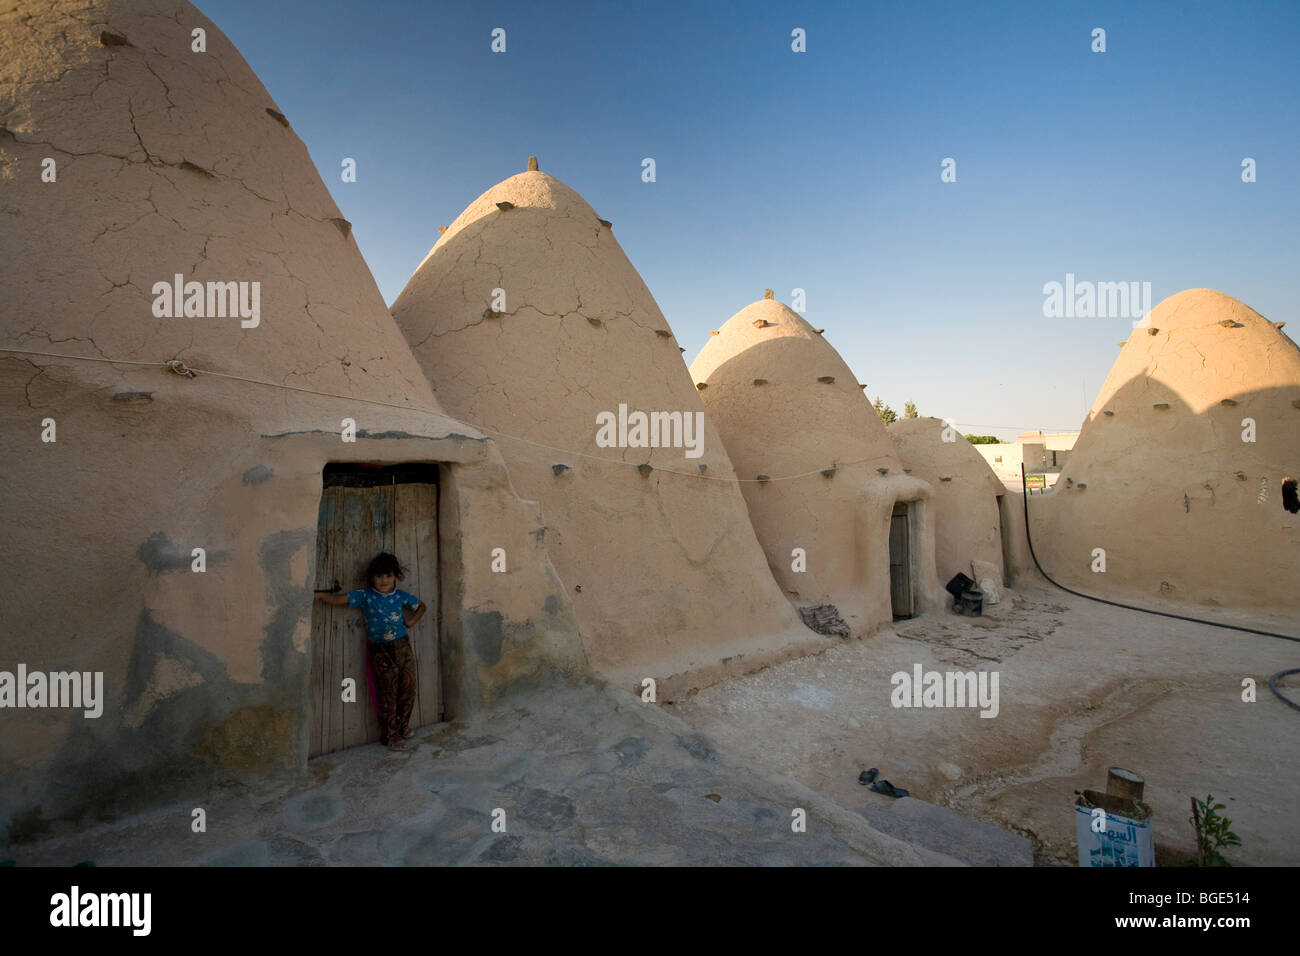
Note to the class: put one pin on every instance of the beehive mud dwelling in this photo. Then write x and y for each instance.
(1177, 474)
(190, 339)
(531, 321)
(786, 404)
(965, 503)
(170, 162)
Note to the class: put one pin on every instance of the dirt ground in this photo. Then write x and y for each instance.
(1082, 687)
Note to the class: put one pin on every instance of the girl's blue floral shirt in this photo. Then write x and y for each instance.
(383, 612)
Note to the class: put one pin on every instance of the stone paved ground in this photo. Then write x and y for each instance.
(586, 774)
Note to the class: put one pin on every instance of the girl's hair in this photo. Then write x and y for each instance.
(384, 563)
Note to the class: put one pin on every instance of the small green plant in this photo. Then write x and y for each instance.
(1212, 831)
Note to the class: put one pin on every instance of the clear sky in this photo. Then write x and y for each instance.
(821, 170)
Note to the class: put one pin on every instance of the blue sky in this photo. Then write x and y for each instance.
(821, 170)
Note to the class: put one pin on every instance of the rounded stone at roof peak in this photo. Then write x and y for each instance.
(779, 329)
(531, 189)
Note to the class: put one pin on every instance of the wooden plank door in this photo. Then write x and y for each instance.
(416, 547)
(900, 562)
(355, 523)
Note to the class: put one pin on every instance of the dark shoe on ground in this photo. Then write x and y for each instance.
(888, 789)
(868, 776)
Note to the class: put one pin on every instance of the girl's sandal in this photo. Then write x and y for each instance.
(396, 743)
(407, 734)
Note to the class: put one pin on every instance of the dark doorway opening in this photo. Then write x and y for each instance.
(901, 592)
(1005, 532)
(365, 509)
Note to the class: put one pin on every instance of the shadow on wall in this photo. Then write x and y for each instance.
(1178, 504)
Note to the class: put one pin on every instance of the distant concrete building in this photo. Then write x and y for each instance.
(1046, 452)
(1041, 454)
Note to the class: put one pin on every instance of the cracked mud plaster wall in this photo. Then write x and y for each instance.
(792, 423)
(664, 571)
(501, 630)
(965, 507)
(1173, 494)
(205, 674)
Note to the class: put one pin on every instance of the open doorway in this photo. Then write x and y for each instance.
(902, 594)
(1006, 531)
(366, 509)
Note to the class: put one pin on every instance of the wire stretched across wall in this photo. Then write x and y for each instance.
(180, 368)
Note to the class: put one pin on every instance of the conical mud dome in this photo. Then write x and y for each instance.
(787, 404)
(531, 322)
(161, 526)
(172, 162)
(1177, 475)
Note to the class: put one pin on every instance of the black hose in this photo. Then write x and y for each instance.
(1272, 681)
(1272, 685)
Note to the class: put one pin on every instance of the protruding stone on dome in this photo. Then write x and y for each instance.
(532, 164)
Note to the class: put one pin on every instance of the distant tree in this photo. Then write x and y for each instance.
(909, 410)
(984, 439)
(887, 415)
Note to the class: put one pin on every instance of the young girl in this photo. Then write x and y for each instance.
(391, 659)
